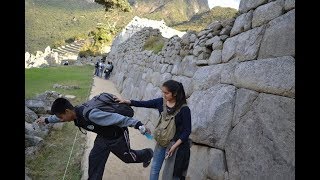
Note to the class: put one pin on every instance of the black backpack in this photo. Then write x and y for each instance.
(106, 102)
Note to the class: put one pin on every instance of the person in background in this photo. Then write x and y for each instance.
(174, 97)
(96, 67)
(101, 67)
(108, 70)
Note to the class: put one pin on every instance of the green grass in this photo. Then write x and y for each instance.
(51, 161)
(39, 80)
(154, 43)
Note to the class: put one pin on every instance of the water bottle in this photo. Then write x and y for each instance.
(144, 132)
(148, 135)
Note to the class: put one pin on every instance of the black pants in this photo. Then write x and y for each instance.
(107, 74)
(119, 147)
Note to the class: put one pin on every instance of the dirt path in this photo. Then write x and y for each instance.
(115, 169)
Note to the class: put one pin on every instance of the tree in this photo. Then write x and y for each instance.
(123, 5)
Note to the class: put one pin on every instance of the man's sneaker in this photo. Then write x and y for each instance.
(146, 164)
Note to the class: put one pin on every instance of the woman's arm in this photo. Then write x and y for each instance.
(153, 103)
(174, 147)
(186, 124)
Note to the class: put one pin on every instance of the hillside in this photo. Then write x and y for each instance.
(57, 22)
(201, 20)
(171, 11)
(53, 22)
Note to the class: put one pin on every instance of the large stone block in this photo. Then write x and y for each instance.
(262, 144)
(267, 12)
(188, 66)
(243, 103)
(206, 77)
(279, 37)
(206, 163)
(30, 116)
(273, 75)
(244, 46)
(211, 114)
(246, 5)
(242, 23)
(289, 4)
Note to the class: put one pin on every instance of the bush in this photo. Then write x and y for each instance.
(154, 43)
(59, 43)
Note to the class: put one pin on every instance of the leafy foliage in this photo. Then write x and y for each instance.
(154, 43)
(102, 36)
(123, 5)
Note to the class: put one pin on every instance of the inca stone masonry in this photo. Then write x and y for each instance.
(239, 76)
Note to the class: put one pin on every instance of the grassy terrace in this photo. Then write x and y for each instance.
(51, 160)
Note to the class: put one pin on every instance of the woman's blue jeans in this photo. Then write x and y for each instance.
(158, 158)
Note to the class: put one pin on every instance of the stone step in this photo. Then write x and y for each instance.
(77, 46)
(74, 45)
(63, 51)
(72, 51)
(58, 51)
(73, 48)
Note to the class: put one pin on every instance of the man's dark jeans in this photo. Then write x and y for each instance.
(119, 147)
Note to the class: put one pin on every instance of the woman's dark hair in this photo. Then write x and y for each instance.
(177, 90)
(60, 105)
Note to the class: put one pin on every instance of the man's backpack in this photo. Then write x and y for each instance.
(166, 127)
(106, 102)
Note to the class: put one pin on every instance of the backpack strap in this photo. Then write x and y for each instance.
(178, 110)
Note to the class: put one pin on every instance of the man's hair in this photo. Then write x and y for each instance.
(60, 105)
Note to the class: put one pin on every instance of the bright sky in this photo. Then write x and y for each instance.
(224, 3)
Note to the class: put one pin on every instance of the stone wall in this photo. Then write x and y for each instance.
(239, 77)
(137, 24)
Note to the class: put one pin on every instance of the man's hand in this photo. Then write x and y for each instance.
(144, 130)
(148, 130)
(41, 121)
